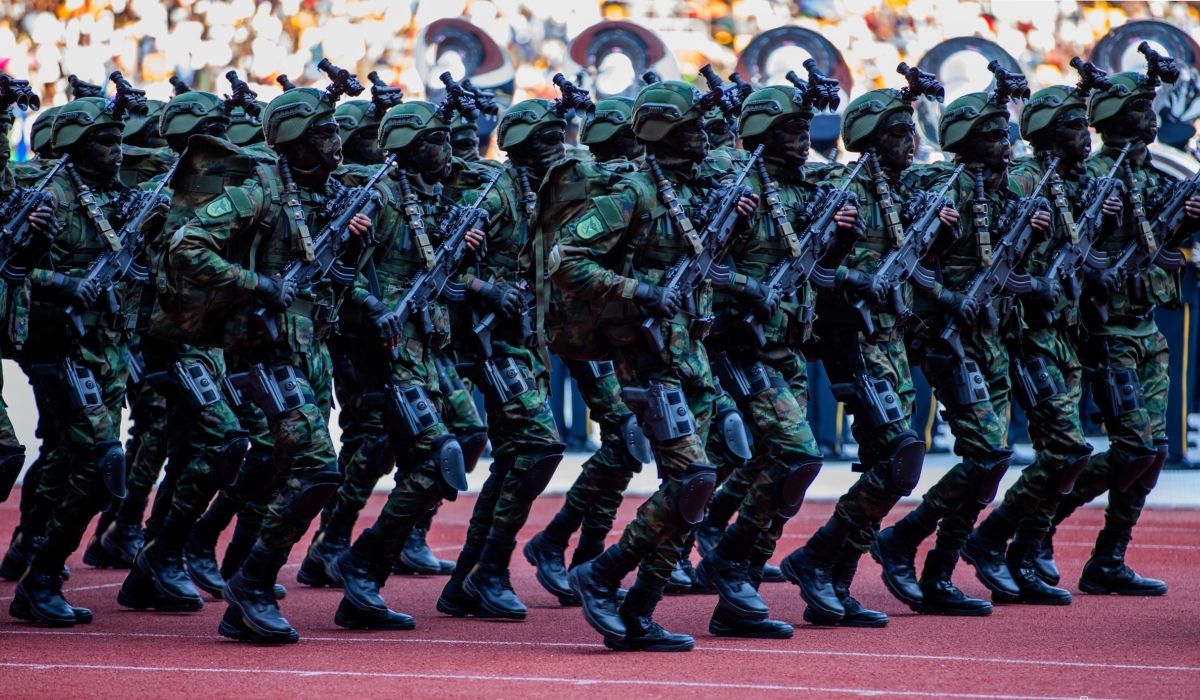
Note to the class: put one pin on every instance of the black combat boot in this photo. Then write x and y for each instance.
(200, 557)
(39, 593)
(547, 558)
(418, 558)
(251, 592)
(20, 609)
(844, 569)
(1034, 590)
(124, 538)
(685, 570)
(726, 623)
(1044, 564)
(20, 551)
(490, 582)
(708, 536)
(245, 534)
(988, 557)
(727, 570)
(773, 574)
(596, 583)
(682, 579)
(455, 600)
(895, 549)
(939, 594)
(362, 608)
(161, 562)
(811, 568)
(1105, 572)
(318, 568)
(94, 554)
(642, 633)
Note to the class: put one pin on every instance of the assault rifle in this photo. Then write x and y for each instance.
(118, 261)
(15, 216)
(1069, 258)
(1001, 275)
(815, 242)
(327, 245)
(435, 280)
(709, 246)
(904, 262)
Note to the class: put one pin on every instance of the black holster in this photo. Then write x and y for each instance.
(959, 382)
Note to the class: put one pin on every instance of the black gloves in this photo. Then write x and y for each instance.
(963, 308)
(761, 297)
(659, 301)
(866, 286)
(386, 322)
(80, 292)
(275, 293)
(1108, 279)
(502, 298)
(1046, 291)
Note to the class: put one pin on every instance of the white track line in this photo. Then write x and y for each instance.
(80, 588)
(536, 679)
(578, 645)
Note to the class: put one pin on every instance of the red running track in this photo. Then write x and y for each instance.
(1099, 647)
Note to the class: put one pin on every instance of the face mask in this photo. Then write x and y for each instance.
(367, 146)
(325, 146)
(689, 141)
(541, 150)
(896, 142)
(1141, 121)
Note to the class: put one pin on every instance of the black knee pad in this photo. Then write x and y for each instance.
(262, 471)
(12, 459)
(994, 467)
(636, 448)
(696, 488)
(474, 442)
(232, 456)
(381, 456)
(314, 491)
(790, 490)
(110, 458)
(1150, 478)
(906, 456)
(1136, 465)
(542, 464)
(731, 431)
(1077, 461)
(451, 470)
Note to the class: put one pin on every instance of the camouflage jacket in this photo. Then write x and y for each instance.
(14, 298)
(141, 165)
(1131, 313)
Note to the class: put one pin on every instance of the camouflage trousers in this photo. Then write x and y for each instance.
(592, 501)
(655, 536)
(863, 507)
(516, 428)
(980, 431)
(1054, 427)
(1131, 433)
(35, 513)
(146, 451)
(778, 421)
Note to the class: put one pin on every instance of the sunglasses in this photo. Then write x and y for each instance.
(1074, 124)
(552, 137)
(326, 129)
(107, 139)
(436, 138)
(994, 135)
(902, 129)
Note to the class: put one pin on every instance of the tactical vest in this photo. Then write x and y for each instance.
(140, 165)
(1066, 311)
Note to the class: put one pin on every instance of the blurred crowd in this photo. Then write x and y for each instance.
(44, 41)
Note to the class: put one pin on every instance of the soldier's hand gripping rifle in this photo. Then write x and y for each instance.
(707, 247)
(119, 260)
(1072, 256)
(804, 264)
(904, 263)
(1001, 276)
(15, 215)
(434, 280)
(328, 245)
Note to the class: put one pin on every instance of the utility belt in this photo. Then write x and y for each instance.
(273, 389)
(68, 383)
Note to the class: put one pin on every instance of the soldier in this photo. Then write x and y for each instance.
(588, 266)
(245, 128)
(510, 364)
(1128, 343)
(85, 373)
(1053, 121)
(593, 500)
(768, 381)
(288, 372)
(879, 125)
(142, 132)
(975, 129)
(430, 456)
(464, 139)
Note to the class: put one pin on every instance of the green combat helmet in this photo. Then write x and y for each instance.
(76, 119)
(139, 128)
(866, 112)
(39, 135)
(188, 110)
(610, 116)
(244, 110)
(354, 116)
(964, 114)
(405, 122)
(764, 109)
(288, 116)
(1127, 87)
(662, 106)
(1045, 105)
(524, 118)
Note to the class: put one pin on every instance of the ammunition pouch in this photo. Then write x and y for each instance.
(12, 459)
(274, 390)
(663, 412)
(1077, 461)
(959, 382)
(1136, 466)
(636, 450)
(696, 488)
(504, 379)
(906, 457)
(870, 400)
(1032, 382)
(451, 471)
(743, 381)
(110, 458)
(994, 468)
(473, 443)
(69, 384)
(232, 456)
(731, 431)
(790, 489)
(303, 505)
(188, 383)
(1116, 392)
(542, 464)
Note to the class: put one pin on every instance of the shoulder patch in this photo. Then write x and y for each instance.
(219, 207)
(589, 227)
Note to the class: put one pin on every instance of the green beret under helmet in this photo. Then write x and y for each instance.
(660, 107)
(603, 123)
(405, 122)
(76, 119)
(963, 115)
(1044, 106)
(288, 116)
(185, 112)
(765, 109)
(523, 119)
(1126, 87)
(866, 112)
